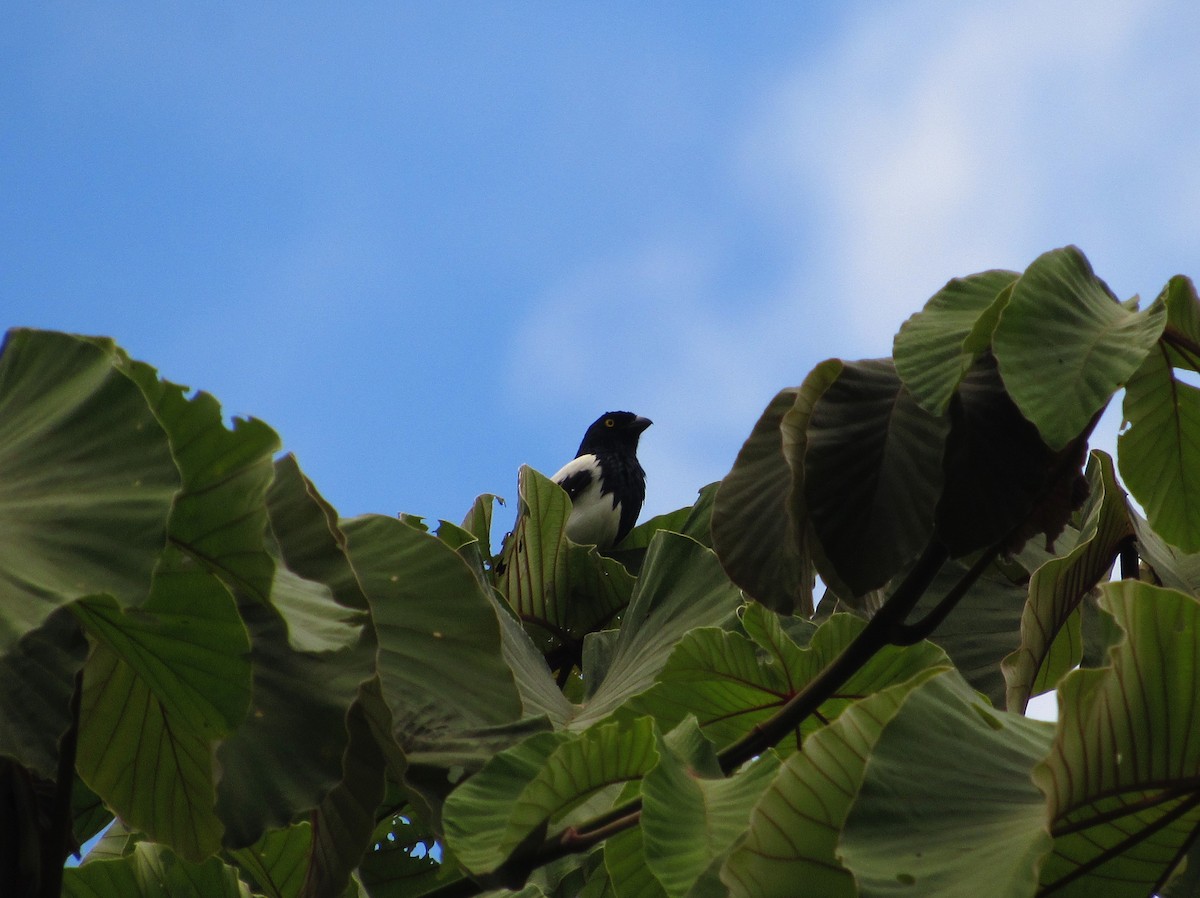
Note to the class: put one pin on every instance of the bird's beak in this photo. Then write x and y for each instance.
(640, 423)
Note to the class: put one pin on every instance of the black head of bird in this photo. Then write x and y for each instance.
(605, 481)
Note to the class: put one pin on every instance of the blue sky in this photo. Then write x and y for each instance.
(429, 244)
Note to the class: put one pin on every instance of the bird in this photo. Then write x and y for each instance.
(605, 481)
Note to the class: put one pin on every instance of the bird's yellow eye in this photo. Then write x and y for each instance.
(609, 422)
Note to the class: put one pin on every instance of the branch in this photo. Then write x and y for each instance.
(910, 634)
(849, 661)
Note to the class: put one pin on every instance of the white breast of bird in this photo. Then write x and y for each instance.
(594, 520)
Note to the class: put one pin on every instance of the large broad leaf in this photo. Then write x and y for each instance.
(732, 683)
(1060, 585)
(400, 863)
(795, 825)
(37, 679)
(540, 695)
(1159, 454)
(286, 754)
(440, 657)
(932, 349)
(86, 479)
(1174, 568)
(983, 629)
(533, 571)
(1065, 345)
(627, 873)
(682, 587)
(560, 589)
(691, 815)
(752, 529)
(873, 473)
(475, 816)
(315, 587)
(153, 871)
(343, 823)
(1122, 778)
(275, 865)
(996, 466)
(521, 791)
(163, 684)
(793, 431)
(960, 816)
(220, 516)
(478, 521)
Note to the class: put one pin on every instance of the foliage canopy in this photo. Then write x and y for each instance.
(258, 697)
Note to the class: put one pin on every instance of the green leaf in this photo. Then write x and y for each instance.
(1065, 345)
(540, 695)
(152, 871)
(873, 473)
(315, 588)
(681, 587)
(600, 589)
(793, 430)
(399, 864)
(1060, 585)
(931, 348)
(275, 865)
(960, 816)
(606, 755)
(983, 629)
(345, 820)
(794, 826)
(533, 571)
(752, 528)
(219, 517)
(478, 521)
(523, 790)
(86, 479)
(1183, 321)
(440, 657)
(995, 462)
(1159, 455)
(1122, 776)
(1174, 568)
(691, 815)
(625, 863)
(476, 814)
(732, 685)
(560, 589)
(163, 684)
(37, 679)
(286, 754)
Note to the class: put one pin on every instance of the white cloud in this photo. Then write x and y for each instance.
(930, 140)
(937, 139)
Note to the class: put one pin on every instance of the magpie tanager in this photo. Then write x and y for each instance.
(605, 482)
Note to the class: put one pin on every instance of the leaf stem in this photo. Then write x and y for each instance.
(910, 634)
(1128, 553)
